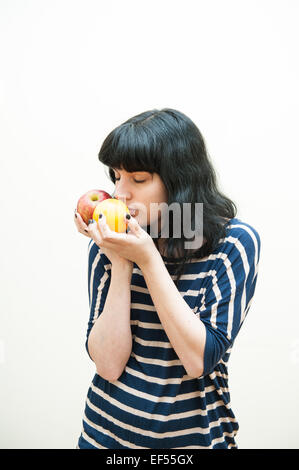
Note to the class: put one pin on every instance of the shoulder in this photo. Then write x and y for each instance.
(241, 240)
(239, 228)
(243, 233)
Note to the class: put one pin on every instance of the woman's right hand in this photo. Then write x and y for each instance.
(114, 258)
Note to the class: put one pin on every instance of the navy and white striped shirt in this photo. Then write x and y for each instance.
(154, 404)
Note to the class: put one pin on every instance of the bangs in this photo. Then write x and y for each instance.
(132, 148)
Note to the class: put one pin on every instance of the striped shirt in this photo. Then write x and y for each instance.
(154, 404)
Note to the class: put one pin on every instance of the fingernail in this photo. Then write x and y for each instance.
(85, 230)
(128, 216)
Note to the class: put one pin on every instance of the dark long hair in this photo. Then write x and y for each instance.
(167, 142)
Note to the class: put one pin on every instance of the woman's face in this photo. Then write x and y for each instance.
(138, 190)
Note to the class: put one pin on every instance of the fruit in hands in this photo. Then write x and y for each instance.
(87, 203)
(114, 211)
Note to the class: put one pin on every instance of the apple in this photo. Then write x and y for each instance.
(88, 202)
(114, 211)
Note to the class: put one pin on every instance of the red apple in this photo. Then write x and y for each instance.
(88, 202)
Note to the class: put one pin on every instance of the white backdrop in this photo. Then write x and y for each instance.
(71, 71)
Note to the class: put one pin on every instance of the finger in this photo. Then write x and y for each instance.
(80, 224)
(79, 221)
(94, 232)
(133, 225)
(104, 228)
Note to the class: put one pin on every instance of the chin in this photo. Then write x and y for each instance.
(141, 221)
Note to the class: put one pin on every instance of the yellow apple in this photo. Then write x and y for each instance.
(114, 211)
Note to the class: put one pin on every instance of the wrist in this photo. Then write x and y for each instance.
(152, 261)
(123, 268)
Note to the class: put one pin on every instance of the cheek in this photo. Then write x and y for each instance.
(154, 194)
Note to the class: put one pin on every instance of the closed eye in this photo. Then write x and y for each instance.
(136, 181)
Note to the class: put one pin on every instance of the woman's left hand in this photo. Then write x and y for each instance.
(136, 246)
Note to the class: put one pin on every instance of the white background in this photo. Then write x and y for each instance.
(71, 71)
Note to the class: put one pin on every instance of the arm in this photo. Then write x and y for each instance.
(110, 339)
(201, 342)
(185, 331)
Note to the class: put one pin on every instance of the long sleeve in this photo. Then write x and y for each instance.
(98, 284)
(228, 292)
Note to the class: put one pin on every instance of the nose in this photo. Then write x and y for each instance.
(122, 191)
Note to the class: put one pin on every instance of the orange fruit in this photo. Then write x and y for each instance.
(114, 211)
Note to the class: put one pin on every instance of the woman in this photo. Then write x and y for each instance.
(164, 315)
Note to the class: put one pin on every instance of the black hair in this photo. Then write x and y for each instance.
(167, 142)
